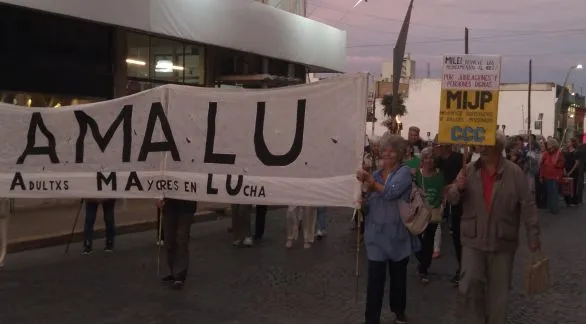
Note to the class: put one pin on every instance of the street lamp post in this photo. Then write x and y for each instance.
(560, 99)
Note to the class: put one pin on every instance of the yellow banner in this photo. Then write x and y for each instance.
(468, 116)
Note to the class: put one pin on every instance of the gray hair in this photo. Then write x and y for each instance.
(500, 140)
(552, 143)
(394, 142)
(426, 152)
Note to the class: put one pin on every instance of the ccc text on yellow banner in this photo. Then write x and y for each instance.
(468, 116)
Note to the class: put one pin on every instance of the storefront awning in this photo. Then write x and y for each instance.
(243, 25)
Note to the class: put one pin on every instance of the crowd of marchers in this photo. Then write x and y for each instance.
(481, 195)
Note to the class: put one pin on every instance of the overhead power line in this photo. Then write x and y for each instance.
(580, 52)
(345, 11)
(517, 36)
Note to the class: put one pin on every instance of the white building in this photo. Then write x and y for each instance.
(294, 6)
(87, 51)
(424, 101)
(407, 71)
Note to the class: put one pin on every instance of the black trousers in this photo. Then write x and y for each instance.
(377, 274)
(454, 216)
(364, 211)
(259, 224)
(177, 228)
(425, 255)
(540, 193)
(580, 186)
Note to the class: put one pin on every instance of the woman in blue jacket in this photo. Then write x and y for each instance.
(388, 242)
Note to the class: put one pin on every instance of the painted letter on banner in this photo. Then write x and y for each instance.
(286, 146)
(469, 99)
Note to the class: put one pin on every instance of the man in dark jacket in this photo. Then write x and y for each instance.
(177, 220)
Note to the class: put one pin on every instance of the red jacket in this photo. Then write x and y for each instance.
(552, 165)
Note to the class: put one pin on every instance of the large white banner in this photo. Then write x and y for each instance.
(297, 145)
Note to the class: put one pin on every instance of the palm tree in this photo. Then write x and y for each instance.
(392, 112)
(389, 110)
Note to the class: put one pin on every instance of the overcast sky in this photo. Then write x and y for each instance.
(551, 32)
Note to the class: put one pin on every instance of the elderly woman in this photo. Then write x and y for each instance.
(388, 242)
(370, 163)
(496, 201)
(431, 180)
(551, 172)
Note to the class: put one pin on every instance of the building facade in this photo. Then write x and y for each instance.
(294, 6)
(64, 53)
(423, 103)
(68, 52)
(407, 70)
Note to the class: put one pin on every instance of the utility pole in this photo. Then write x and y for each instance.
(466, 41)
(529, 97)
(466, 148)
(399, 54)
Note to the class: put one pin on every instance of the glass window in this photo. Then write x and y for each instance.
(167, 60)
(135, 86)
(194, 64)
(137, 55)
(164, 60)
(31, 99)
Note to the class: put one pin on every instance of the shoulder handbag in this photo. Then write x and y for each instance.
(415, 212)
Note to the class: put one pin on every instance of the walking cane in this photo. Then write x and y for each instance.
(357, 215)
(160, 216)
(74, 226)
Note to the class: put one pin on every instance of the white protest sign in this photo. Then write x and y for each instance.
(297, 145)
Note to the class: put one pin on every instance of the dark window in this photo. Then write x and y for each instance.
(47, 53)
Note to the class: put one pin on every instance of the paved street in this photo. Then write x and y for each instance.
(265, 284)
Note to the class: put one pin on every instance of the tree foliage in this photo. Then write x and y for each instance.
(389, 110)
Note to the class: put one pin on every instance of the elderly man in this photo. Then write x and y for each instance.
(495, 199)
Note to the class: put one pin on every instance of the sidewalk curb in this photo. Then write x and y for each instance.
(39, 242)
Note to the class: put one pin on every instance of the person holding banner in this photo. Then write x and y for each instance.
(91, 213)
(177, 220)
(304, 216)
(241, 223)
(321, 223)
(388, 242)
(260, 221)
(495, 199)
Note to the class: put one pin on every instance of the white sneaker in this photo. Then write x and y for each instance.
(320, 233)
(289, 244)
(248, 241)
